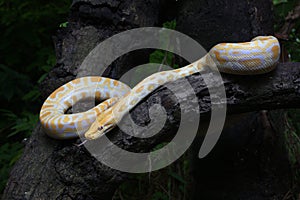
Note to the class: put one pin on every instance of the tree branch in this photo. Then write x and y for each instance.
(58, 169)
(52, 169)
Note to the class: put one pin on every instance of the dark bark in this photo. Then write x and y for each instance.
(90, 23)
(51, 169)
(247, 167)
(211, 22)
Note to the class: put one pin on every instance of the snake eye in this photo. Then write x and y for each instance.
(100, 128)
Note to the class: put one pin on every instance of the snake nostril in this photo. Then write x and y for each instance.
(100, 128)
(234, 58)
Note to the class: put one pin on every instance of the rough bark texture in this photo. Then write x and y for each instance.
(90, 23)
(51, 169)
(211, 22)
(247, 168)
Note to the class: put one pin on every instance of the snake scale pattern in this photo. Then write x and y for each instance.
(258, 56)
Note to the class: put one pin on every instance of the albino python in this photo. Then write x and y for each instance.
(258, 56)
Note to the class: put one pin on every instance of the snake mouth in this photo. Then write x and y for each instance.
(102, 130)
(99, 132)
(105, 129)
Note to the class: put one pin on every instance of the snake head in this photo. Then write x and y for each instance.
(103, 124)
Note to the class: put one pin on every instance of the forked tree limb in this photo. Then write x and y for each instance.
(278, 89)
(51, 169)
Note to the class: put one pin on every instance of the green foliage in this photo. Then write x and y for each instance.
(292, 141)
(12, 83)
(164, 57)
(9, 154)
(294, 114)
(20, 124)
(167, 183)
(292, 133)
(159, 196)
(177, 177)
(276, 2)
(170, 24)
(26, 45)
(26, 55)
(282, 9)
(63, 25)
(294, 44)
(158, 57)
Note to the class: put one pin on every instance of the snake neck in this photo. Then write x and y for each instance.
(151, 83)
(255, 57)
(113, 115)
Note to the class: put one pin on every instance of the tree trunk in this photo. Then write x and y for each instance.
(51, 169)
(244, 163)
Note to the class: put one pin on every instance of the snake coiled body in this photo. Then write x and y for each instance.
(258, 56)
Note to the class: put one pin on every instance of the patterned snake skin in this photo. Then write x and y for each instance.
(258, 56)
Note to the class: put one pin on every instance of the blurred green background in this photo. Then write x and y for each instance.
(27, 54)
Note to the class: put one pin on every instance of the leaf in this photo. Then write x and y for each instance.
(170, 24)
(32, 95)
(177, 177)
(159, 196)
(9, 114)
(10, 152)
(12, 82)
(157, 56)
(63, 25)
(276, 2)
